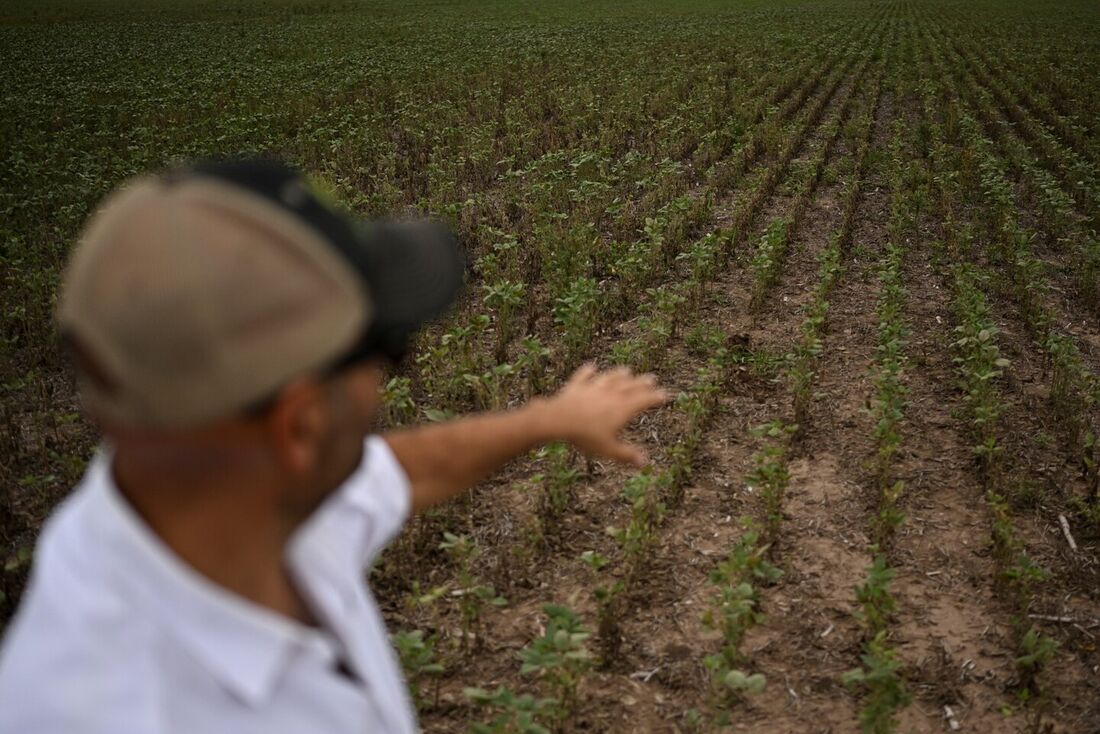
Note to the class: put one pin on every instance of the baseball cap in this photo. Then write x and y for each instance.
(203, 290)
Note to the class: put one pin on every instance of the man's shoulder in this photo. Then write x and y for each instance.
(362, 515)
(69, 576)
(76, 667)
(76, 656)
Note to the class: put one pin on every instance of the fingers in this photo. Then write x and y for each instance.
(613, 378)
(644, 400)
(618, 391)
(642, 385)
(630, 393)
(603, 403)
(626, 453)
(623, 379)
(642, 393)
(584, 373)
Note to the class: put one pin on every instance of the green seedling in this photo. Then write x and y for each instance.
(643, 492)
(417, 655)
(397, 401)
(576, 315)
(734, 612)
(608, 598)
(770, 476)
(557, 484)
(473, 596)
(560, 658)
(771, 253)
(505, 298)
(876, 602)
(885, 690)
(516, 714)
(1035, 651)
(533, 361)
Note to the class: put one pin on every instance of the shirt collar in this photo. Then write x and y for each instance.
(242, 644)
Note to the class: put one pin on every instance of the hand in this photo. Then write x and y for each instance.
(593, 407)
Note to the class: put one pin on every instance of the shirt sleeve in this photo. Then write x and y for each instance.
(366, 512)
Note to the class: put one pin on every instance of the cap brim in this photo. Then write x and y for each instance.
(415, 272)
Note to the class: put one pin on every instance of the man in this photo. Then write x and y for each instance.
(208, 575)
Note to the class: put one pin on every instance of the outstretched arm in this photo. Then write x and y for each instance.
(589, 411)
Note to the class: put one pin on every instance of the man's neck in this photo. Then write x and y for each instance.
(236, 544)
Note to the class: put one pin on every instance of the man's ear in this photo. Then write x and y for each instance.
(298, 423)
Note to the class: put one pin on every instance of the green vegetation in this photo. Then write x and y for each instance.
(733, 613)
(826, 226)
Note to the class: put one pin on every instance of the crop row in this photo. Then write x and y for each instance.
(649, 494)
(738, 580)
(803, 358)
(1055, 84)
(1035, 145)
(981, 366)
(652, 493)
(767, 264)
(582, 306)
(1074, 388)
(879, 675)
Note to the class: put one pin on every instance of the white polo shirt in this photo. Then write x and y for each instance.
(116, 635)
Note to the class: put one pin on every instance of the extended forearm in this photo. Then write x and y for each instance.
(445, 459)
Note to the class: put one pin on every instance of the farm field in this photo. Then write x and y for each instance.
(858, 240)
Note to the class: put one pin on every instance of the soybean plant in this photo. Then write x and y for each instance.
(888, 403)
(516, 714)
(800, 362)
(397, 400)
(491, 386)
(885, 689)
(697, 406)
(473, 596)
(608, 607)
(702, 258)
(646, 512)
(980, 364)
(734, 612)
(770, 255)
(557, 484)
(576, 312)
(770, 475)
(533, 360)
(417, 655)
(505, 297)
(874, 596)
(559, 658)
(879, 676)
(1035, 651)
